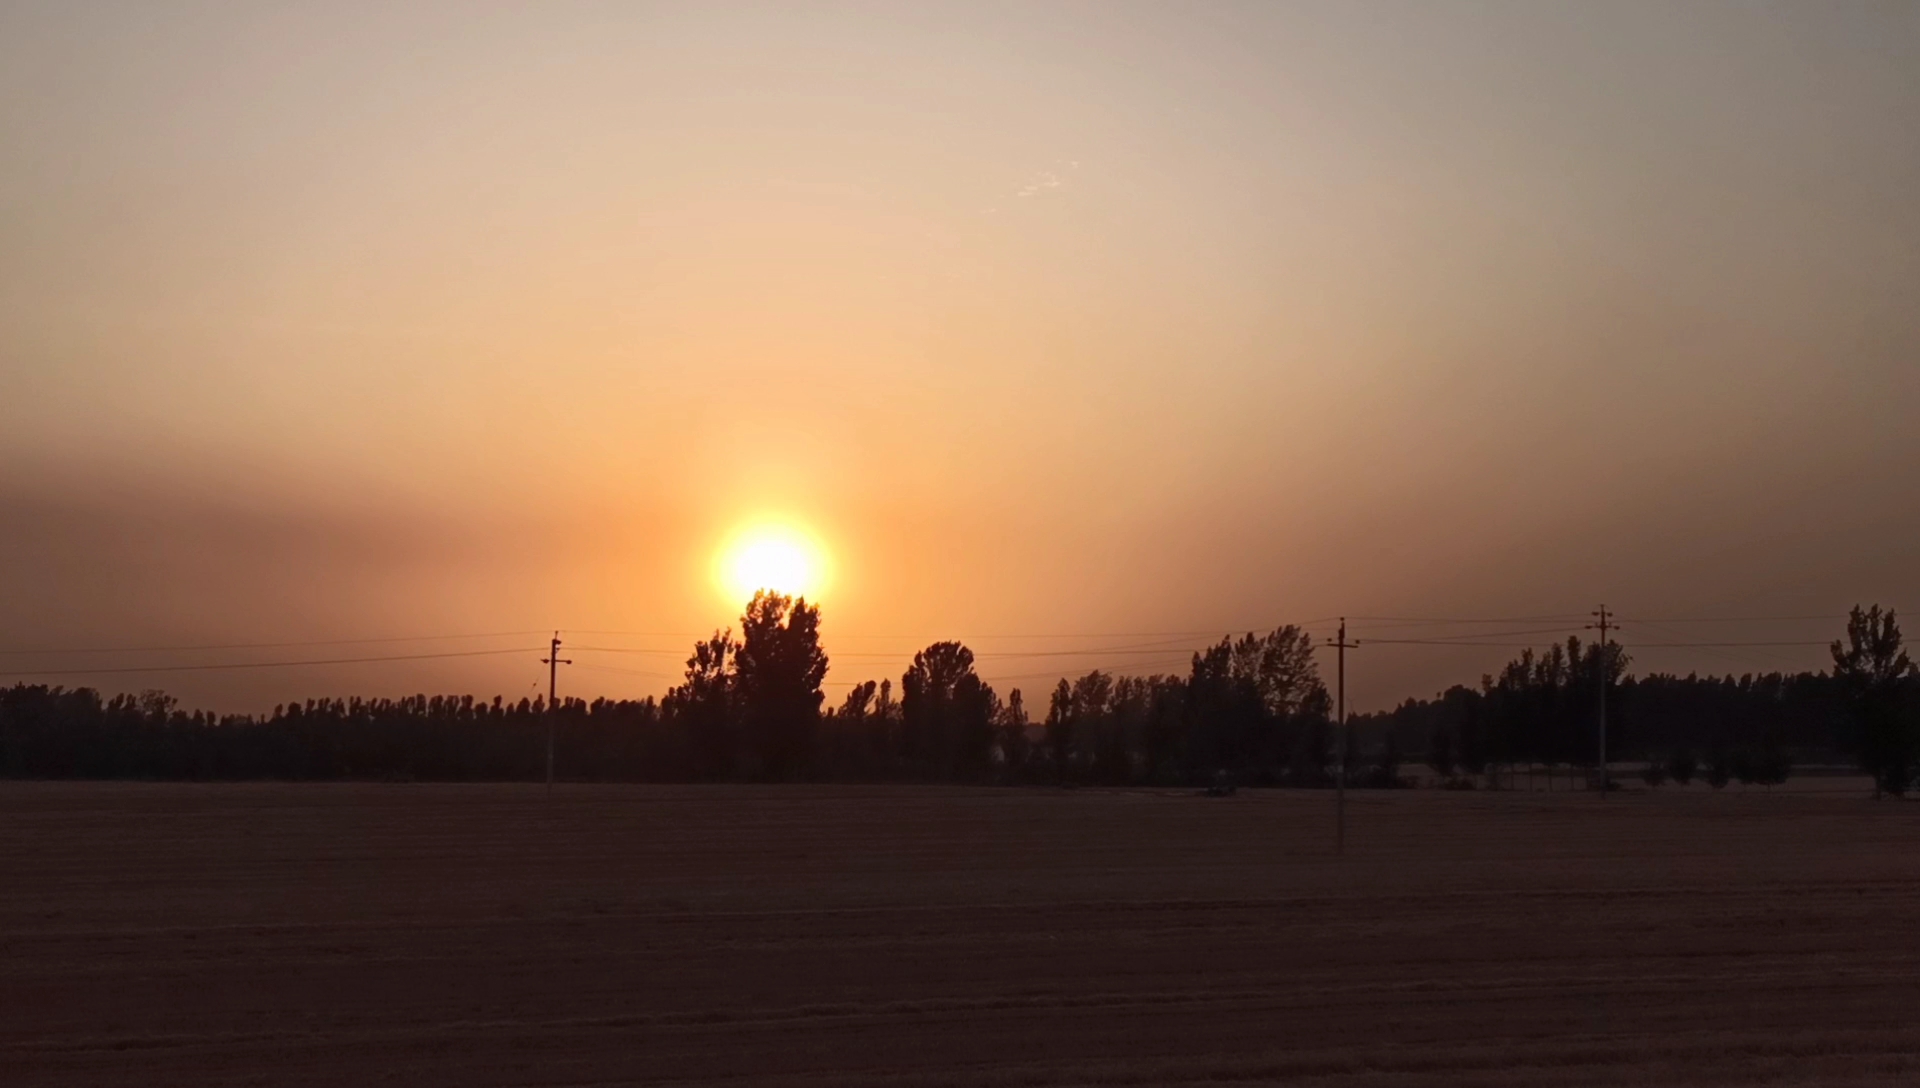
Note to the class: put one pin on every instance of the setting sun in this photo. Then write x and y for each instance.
(775, 557)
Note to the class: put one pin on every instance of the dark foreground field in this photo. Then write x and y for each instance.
(482, 935)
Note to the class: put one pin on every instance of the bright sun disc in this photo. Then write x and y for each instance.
(772, 557)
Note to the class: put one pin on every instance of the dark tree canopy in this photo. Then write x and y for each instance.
(1259, 703)
(777, 672)
(947, 712)
(1874, 673)
(704, 704)
(1872, 655)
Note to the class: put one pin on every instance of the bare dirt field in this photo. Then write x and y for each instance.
(489, 935)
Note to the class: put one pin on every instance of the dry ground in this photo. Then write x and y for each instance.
(486, 935)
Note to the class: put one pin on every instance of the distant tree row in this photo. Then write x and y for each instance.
(750, 708)
(1254, 706)
(1542, 710)
(1252, 710)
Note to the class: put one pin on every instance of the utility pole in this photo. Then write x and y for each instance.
(552, 661)
(1603, 625)
(1340, 714)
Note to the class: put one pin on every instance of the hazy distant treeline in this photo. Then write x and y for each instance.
(1253, 710)
(1542, 710)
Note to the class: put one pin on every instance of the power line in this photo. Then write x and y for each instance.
(963, 636)
(1405, 621)
(1022, 654)
(1358, 623)
(1563, 630)
(1828, 617)
(1225, 630)
(1146, 652)
(1446, 642)
(224, 665)
(1170, 655)
(260, 645)
(1685, 645)
(1175, 657)
(1671, 633)
(1143, 648)
(628, 672)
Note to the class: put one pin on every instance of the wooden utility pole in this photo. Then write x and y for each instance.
(552, 661)
(1603, 625)
(1340, 716)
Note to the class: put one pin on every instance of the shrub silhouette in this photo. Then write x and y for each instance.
(1719, 770)
(1681, 766)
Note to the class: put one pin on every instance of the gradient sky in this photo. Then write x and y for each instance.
(1052, 321)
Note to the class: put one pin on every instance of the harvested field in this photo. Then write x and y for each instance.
(489, 935)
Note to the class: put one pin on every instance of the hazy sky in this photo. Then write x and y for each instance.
(337, 321)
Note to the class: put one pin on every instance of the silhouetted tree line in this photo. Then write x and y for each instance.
(1541, 712)
(1251, 709)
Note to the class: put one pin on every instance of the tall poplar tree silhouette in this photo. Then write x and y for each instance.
(777, 674)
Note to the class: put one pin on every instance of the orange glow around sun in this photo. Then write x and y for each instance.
(778, 557)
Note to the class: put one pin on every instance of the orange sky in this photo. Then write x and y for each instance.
(1060, 326)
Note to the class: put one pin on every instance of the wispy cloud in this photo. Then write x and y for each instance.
(1044, 181)
(1041, 183)
(1047, 181)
